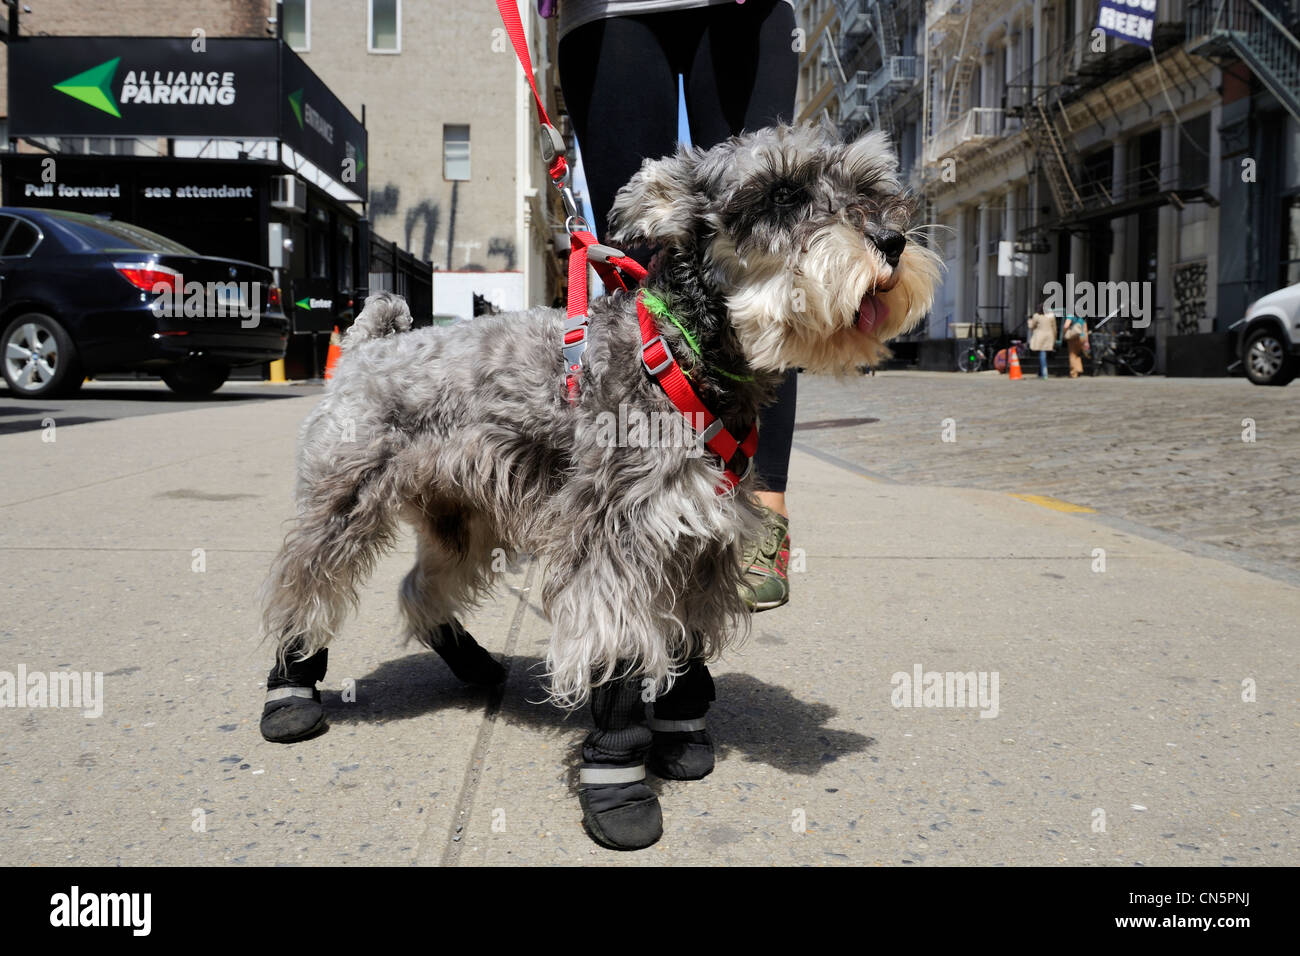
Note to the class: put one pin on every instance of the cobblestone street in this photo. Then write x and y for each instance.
(1164, 453)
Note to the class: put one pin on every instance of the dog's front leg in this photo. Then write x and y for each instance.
(682, 748)
(618, 809)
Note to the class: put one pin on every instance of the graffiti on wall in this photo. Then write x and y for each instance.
(423, 213)
(1189, 297)
(421, 225)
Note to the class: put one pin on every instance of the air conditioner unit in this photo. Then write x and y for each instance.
(288, 192)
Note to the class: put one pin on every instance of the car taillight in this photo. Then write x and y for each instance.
(273, 295)
(146, 276)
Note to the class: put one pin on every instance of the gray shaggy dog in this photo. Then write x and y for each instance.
(779, 248)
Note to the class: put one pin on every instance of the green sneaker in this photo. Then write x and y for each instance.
(766, 560)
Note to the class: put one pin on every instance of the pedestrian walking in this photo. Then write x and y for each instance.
(1074, 332)
(1042, 335)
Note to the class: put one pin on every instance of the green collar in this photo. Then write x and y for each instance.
(658, 308)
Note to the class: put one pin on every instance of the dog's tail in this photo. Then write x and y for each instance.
(384, 314)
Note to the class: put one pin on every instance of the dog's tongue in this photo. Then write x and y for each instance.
(871, 312)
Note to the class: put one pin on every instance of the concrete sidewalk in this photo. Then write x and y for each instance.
(1120, 692)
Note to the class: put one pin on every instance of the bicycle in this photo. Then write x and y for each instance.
(982, 355)
(986, 354)
(1125, 349)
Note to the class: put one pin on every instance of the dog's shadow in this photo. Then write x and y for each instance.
(760, 722)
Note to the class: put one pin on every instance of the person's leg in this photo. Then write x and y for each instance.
(742, 76)
(1042, 363)
(776, 438)
(743, 71)
(621, 91)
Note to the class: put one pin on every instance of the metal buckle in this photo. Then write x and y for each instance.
(574, 224)
(572, 322)
(566, 194)
(668, 359)
(573, 353)
(749, 466)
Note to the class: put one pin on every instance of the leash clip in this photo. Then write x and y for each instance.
(598, 252)
(552, 144)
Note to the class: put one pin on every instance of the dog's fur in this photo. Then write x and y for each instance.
(765, 253)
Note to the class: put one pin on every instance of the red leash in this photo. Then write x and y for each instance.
(609, 263)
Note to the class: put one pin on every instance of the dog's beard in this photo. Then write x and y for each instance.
(823, 310)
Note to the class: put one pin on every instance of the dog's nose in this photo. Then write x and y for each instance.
(891, 243)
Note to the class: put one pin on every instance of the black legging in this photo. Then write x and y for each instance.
(739, 72)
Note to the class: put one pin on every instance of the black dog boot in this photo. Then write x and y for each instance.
(682, 748)
(619, 811)
(293, 709)
(465, 656)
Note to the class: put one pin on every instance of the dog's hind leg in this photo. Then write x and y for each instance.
(346, 516)
(452, 560)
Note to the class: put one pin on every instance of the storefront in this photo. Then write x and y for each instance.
(233, 147)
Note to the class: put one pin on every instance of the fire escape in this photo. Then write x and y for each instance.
(1261, 34)
(870, 96)
(954, 126)
(1056, 161)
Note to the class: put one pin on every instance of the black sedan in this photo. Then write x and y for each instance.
(81, 295)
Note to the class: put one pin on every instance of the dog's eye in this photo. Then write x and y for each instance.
(786, 194)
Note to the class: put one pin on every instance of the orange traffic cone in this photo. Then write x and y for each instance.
(335, 352)
(1015, 364)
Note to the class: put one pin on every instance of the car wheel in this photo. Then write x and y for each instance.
(39, 360)
(1266, 359)
(192, 380)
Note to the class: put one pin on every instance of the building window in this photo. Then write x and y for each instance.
(297, 24)
(455, 152)
(1194, 153)
(385, 26)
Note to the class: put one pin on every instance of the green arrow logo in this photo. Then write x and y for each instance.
(304, 303)
(94, 87)
(295, 101)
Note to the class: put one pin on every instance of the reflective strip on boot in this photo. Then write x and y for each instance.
(675, 726)
(603, 775)
(280, 693)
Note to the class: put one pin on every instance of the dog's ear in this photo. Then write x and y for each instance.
(660, 204)
(871, 157)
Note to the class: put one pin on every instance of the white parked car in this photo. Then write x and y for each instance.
(1268, 337)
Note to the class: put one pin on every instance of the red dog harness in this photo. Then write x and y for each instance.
(661, 365)
(609, 264)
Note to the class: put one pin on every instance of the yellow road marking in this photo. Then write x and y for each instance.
(1056, 504)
